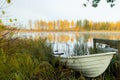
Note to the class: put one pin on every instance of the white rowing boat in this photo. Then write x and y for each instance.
(90, 65)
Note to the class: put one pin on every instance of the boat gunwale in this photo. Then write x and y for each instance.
(90, 55)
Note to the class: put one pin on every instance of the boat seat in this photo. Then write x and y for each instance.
(58, 53)
(107, 50)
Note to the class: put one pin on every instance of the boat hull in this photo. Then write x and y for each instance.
(90, 65)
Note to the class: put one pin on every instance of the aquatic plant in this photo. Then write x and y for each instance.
(81, 49)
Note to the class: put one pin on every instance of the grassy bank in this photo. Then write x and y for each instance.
(28, 59)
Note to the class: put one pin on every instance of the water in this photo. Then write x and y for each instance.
(65, 41)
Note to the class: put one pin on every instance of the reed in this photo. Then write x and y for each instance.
(81, 48)
(28, 59)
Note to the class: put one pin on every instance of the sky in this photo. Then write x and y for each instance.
(47, 10)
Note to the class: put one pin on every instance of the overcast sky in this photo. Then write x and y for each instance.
(47, 10)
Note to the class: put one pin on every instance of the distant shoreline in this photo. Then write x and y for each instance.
(83, 31)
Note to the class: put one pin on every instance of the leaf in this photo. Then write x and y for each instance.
(95, 5)
(85, 5)
(8, 1)
(10, 20)
(3, 12)
(112, 5)
(110, 1)
(15, 19)
(18, 76)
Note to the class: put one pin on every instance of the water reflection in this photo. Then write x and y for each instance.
(65, 41)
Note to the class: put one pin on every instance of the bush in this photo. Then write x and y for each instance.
(37, 48)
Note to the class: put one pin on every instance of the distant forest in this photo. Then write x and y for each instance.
(79, 25)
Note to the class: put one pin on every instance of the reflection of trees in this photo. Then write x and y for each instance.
(60, 38)
(64, 38)
(72, 38)
(107, 36)
(51, 37)
(84, 37)
(77, 35)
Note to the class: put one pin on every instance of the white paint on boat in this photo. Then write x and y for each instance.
(90, 65)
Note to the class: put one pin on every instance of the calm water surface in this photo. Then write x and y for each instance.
(65, 41)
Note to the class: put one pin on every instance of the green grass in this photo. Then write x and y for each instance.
(28, 59)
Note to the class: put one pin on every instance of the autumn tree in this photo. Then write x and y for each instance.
(111, 26)
(79, 23)
(30, 24)
(90, 25)
(117, 25)
(86, 24)
(66, 25)
(37, 24)
(50, 25)
(72, 23)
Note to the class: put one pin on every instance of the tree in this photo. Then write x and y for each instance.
(86, 24)
(50, 25)
(79, 23)
(72, 23)
(96, 2)
(30, 24)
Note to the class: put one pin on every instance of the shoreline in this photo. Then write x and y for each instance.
(92, 31)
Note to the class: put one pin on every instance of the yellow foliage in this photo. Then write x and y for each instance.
(50, 26)
(72, 23)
